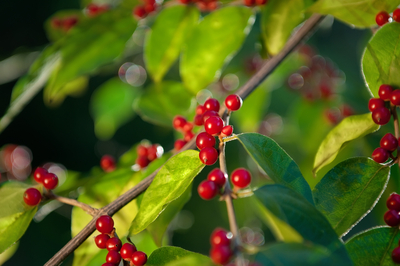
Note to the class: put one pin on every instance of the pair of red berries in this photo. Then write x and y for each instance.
(107, 163)
(254, 2)
(220, 251)
(392, 218)
(93, 10)
(116, 251)
(64, 23)
(141, 11)
(383, 17)
(32, 196)
(380, 114)
(148, 153)
(388, 144)
(216, 180)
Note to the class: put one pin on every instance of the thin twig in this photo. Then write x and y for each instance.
(396, 126)
(87, 208)
(243, 92)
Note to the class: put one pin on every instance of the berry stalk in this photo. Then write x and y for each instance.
(87, 208)
(396, 127)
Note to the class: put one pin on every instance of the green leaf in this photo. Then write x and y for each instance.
(6, 255)
(358, 183)
(161, 102)
(355, 12)
(15, 215)
(169, 184)
(300, 255)
(111, 106)
(350, 128)
(381, 59)
(213, 42)
(290, 207)
(279, 166)
(374, 246)
(169, 256)
(164, 42)
(278, 19)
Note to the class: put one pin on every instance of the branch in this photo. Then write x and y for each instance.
(87, 208)
(243, 92)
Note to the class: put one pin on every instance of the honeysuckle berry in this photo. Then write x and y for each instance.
(200, 109)
(39, 174)
(380, 155)
(395, 97)
(113, 257)
(214, 125)
(261, 2)
(396, 15)
(209, 114)
(179, 143)
(142, 161)
(188, 136)
(108, 264)
(233, 102)
(198, 120)
(113, 244)
(139, 12)
(218, 177)
(375, 103)
(69, 22)
(385, 91)
(50, 181)
(207, 189)
(208, 155)
(392, 218)
(107, 163)
(393, 202)
(32, 196)
(226, 131)
(219, 237)
(142, 150)
(241, 178)
(249, 2)
(178, 122)
(105, 224)
(381, 116)
(212, 105)
(150, 7)
(153, 152)
(101, 241)
(382, 18)
(127, 250)
(204, 139)
(188, 127)
(220, 254)
(396, 255)
(139, 258)
(389, 142)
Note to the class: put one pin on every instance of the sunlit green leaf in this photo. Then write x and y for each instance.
(6, 255)
(174, 256)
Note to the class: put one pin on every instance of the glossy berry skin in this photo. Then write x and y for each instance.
(233, 102)
(382, 18)
(113, 257)
(214, 125)
(393, 202)
(208, 155)
(226, 131)
(152, 152)
(127, 250)
(385, 91)
(179, 143)
(105, 224)
(392, 218)
(188, 136)
(241, 178)
(396, 255)
(107, 163)
(179, 122)
(207, 189)
(142, 150)
(395, 97)
(212, 105)
(219, 238)
(375, 103)
(381, 116)
(142, 161)
(107, 264)
(396, 15)
(188, 127)
(389, 142)
(220, 254)
(218, 177)
(39, 174)
(209, 114)
(139, 12)
(101, 241)
(204, 140)
(50, 181)
(32, 196)
(114, 244)
(380, 155)
(200, 109)
(198, 120)
(139, 258)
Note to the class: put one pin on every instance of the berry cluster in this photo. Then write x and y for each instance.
(203, 5)
(392, 218)
(186, 128)
(388, 144)
(254, 2)
(32, 196)
(380, 113)
(148, 153)
(141, 11)
(64, 24)
(107, 163)
(116, 251)
(221, 251)
(93, 10)
(383, 17)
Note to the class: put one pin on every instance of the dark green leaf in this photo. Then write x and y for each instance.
(374, 247)
(381, 59)
(278, 20)
(355, 12)
(213, 42)
(169, 184)
(161, 102)
(349, 191)
(111, 106)
(348, 129)
(279, 166)
(164, 42)
(169, 256)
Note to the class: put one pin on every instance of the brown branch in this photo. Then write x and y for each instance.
(243, 92)
(87, 208)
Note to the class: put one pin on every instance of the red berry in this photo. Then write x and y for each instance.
(92, 9)
(212, 105)
(139, 258)
(218, 177)
(241, 178)
(150, 7)
(396, 15)
(212, 5)
(114, 244)
(220, 254)
(188, 136)
(105, 224)
(380, 155)
(32, 196)
(179, 143)
(188, 127)
(127, 250)
(207, 189)
(39, 174)
(385, 91)
(198, 120)
(142, 150)
(381, 116)
(142, 161)
(208, 155)
(101, 241)
(375, 103)
(249, 2)
(69, 22)
(389, 142)
(204, 140)
(200, 109)
(233, 102)
(50, 181)
(393, 202)
(209, 114)
(184, 1)
(226, 131)
(107, 163)
(219, 238)
(214, 125)
(382, 18)
(346, 110)
(395, 97)
(261, 2)
(396, 255)
(107, 264)
(392, 218)
(56, 23)
(153, 152)
(178, 122)
(139, 12)
(113, 257)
